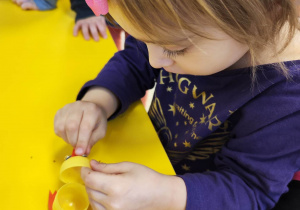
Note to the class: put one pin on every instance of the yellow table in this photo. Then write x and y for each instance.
(42, 68)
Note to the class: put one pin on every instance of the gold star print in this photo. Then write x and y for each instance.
(185, 167)
(169, 89)
(185, 123)
(192, 105)
(177, 123)
(176, 136)
(175, 144)
(187, 144)
(172, 109)
(231, 112)
(203, 118)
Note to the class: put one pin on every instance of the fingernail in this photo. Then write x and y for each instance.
(79, 151)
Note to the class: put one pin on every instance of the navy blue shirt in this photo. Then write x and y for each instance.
(234, 141)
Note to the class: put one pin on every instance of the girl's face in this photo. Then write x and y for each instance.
(199, 57)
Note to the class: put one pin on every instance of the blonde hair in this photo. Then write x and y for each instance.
(256, 23)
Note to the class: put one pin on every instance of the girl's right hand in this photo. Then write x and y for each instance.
(81, 124)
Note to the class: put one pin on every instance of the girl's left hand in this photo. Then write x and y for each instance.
(132, 186)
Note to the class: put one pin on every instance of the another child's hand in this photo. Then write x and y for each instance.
(132, 186)
(81, 124)
(91, 26)
(26, 4)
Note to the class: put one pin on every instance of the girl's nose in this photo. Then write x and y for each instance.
(157, 58)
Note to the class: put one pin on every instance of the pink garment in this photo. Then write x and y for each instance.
(297, 176)
(99, 7)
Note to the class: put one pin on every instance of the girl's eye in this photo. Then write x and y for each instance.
(175, 53)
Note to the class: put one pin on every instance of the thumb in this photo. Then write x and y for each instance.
(85, 171)
(113, 168)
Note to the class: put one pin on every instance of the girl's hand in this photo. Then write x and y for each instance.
(81, 124)
(132, 186)
(91, 27)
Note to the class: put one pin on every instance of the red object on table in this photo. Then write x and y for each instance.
(297, 176)
(51, 199)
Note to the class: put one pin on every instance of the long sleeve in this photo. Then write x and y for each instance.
(256, 164)
(128, 74)
(81, 8)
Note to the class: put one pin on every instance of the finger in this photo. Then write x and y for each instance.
(97, 181)
(72, 126)
(96, 206)
(102, 29)
(87, 125)
(94, 32)
(76, 28)
(59, 125)
(19, 2)
(85, 32)
(29, 6)
(96, 196)
(97, 134)
(114, 168)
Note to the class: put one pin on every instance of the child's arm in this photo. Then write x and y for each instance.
(124, 79)
(36, 4)
(128, 75)
(83, 123)
(81, 9)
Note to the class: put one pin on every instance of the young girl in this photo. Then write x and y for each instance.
(226, 105)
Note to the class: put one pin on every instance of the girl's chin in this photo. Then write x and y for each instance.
(174, 70)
